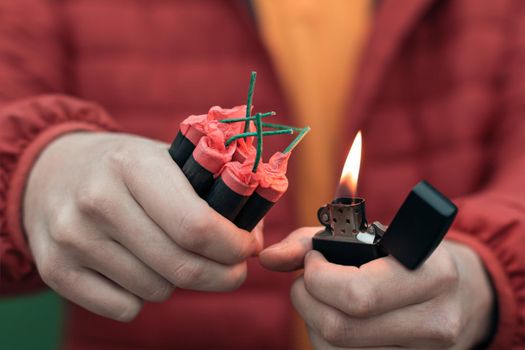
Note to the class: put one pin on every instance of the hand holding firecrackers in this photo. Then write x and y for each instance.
(217, 155)
(119, 227)
(123, 225)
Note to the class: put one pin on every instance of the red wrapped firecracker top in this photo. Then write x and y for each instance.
(194, 127)
(273, 182)
(245, 151)
(230, 129)
(211, 152)
(219, 113)
(240, 178)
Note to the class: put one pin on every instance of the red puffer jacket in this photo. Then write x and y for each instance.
(441, 96)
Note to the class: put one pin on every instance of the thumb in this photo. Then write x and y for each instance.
(288, 255)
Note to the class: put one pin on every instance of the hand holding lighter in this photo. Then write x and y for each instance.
(415, 232)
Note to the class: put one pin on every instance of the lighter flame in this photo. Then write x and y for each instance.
(350, 173)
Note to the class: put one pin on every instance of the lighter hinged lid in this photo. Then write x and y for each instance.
(419, 225)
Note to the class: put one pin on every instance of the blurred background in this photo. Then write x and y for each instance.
(31, 322)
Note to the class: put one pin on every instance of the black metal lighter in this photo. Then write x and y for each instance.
(416, 230)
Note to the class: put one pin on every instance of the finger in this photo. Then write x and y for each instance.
(95, 293)
(288, 255)
(133, 229)
(161, 189)
(420, 326)
(319, 343)
(118, 264)
(380, 286)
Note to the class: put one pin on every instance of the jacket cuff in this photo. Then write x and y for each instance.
(504, 294)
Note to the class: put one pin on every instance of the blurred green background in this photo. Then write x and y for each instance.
(31, 322)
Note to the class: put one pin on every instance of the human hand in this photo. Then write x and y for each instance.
(446, 303)
(112, 221)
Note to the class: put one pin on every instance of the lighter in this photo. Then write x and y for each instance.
(416, 230)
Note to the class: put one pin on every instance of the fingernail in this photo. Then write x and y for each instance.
(312, 254)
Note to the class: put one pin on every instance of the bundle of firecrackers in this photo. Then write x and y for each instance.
(221, 155)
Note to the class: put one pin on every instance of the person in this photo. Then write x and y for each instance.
(107, 220)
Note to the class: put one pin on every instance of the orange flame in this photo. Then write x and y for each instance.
(350, 173)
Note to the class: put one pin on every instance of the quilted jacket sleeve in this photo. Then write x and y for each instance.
(493, 221)
(34, 110)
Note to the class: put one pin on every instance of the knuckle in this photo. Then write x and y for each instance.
(295, 293)
(194, 241)
(93, 200)
(47, 270)
(361, 307)
(446, 329)
(193, 230)
(236, 278)
(187, 274)
(333, 329)
(160, 293)
(241, 252)
(54, 276)
(62, 230)
(311, 272)
(119, 157)
(195, 222)
(361, 299)
(64, 237)
(449, 273)
(451, 330)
